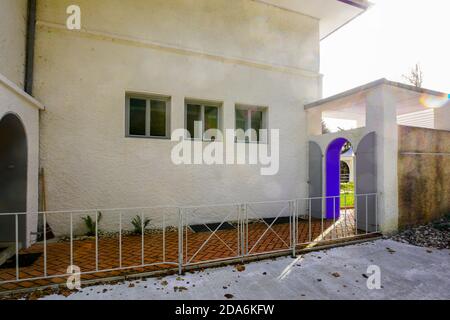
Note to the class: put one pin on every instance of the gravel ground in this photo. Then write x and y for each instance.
(433, 235)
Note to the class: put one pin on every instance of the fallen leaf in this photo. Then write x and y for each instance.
(240, 268)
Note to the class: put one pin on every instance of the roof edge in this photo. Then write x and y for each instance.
(362, 4)
(371, 85)
(18, 91)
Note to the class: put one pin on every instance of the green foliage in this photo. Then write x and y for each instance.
(348, 194)
(347, 200)
(91, 225)
(137, 224)
(348, 187)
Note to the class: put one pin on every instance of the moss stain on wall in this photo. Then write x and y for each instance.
(423, 175)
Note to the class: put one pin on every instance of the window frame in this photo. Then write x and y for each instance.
(203, 104)
(248, 118)
(148, 98)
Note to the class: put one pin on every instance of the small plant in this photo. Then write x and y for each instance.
(91, 225)
(137, 224)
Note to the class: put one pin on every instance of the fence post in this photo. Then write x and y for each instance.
(293, 226)
(245, 230)
(243, 215)
(17, 245)
(180, 241)
(45, 243)
(239, 230)
(376, 212)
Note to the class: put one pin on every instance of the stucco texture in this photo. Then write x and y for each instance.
(245, 53)
(13, 18)
(423, 174)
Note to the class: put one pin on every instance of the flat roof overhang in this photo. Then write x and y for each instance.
(407, 98)
(333, 14)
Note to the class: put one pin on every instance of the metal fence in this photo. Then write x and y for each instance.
(102, 241)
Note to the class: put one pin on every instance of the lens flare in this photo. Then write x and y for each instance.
(434, 102)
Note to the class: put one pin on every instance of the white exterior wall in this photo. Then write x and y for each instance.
(13, 25)
(15, 101)
(247, 52)
(13, 18)
(382, 118)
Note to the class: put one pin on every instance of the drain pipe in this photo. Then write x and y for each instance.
(30, 39)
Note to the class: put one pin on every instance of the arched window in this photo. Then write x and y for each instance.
(345, 172)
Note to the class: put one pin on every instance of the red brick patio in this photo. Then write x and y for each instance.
(222, 245)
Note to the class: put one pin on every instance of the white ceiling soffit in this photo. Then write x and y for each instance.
(333, 14)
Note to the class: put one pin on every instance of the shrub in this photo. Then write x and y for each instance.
(137, 224)
(91, 225)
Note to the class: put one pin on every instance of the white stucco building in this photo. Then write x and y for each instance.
(137, 70)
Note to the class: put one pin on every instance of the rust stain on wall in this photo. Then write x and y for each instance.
(423, 175)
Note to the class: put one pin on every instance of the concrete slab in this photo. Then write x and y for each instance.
(407, 272)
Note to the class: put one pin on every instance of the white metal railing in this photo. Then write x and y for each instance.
(167, 237)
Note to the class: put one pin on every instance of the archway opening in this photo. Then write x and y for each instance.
(345, 172)
(13, 178)
(339, 177)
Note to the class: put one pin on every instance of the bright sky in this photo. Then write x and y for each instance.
(386, 42)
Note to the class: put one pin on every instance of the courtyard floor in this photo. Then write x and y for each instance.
(407, 272)
(163, 249)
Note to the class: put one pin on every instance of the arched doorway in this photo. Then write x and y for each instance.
(13, 177)
(333, 164)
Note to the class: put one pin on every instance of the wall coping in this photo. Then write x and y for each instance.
(372, 85)
(19, 92)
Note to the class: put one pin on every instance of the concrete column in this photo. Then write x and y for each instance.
(381, 117)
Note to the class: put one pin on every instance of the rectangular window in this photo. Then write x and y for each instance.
(250, 118)
(202, 120)
(158, 118)
(137, 117)
(148, 117)
(193, 120)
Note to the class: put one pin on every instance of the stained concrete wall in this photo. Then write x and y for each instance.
(13, 25)
(423, 175)
(241, 53)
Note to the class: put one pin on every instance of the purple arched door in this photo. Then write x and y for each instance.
(333, 178)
